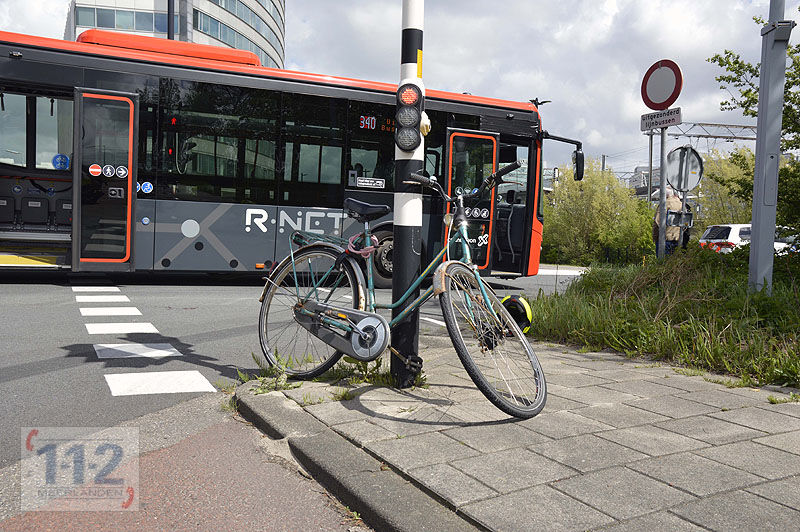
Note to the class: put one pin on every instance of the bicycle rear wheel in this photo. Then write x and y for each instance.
(285, 342)
(492, 348)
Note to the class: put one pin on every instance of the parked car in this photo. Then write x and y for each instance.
(725, 237)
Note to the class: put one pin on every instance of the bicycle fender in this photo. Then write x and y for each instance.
(438, 277)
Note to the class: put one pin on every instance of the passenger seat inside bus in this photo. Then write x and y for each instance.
(33, 213)
(6, 212)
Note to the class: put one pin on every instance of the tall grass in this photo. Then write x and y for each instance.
(693, 308)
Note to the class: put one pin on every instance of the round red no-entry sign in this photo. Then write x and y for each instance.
(662, 84)
(95, 170)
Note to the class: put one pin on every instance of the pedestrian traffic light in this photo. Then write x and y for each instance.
(410, 104)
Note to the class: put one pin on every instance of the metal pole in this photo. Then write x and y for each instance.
(662, 197)
(171, 19)
(650, 172)
(775, 38)
(407, 205)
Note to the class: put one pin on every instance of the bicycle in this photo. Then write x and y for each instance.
(317, 306)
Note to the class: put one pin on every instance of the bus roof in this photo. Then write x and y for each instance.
(205, 57)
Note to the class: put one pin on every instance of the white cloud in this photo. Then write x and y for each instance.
(587, 56)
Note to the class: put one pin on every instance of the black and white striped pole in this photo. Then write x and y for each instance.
(409, 156)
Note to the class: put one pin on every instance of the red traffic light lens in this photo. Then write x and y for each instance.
(409, 95)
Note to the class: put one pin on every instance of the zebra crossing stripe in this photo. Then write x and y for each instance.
(120, 328)
(95, 289)
(131, 350)
(102, 299)
(157, 382)
(110, 311)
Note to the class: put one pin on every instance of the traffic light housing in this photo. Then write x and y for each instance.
(410, 105)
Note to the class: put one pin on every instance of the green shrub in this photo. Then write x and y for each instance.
(693, 308)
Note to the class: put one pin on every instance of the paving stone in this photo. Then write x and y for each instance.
(695, 474)
(621, 493)
(599, 364)
(790, 409)
(537, 508)
(642, 388)
(762, 396)
(419, 450)
(760, 419)
(739, 510)
(688, 384)
(672, 406)
(575, 380)
(333, 412)
(709, 429)
(755, 458)
(499, 437)
(720, 399)
(786, 491)
(558, 367)
(619, 415)
(622, 374)
(512, 469)
(652, 440)
(363, 431)
(654, 369)
(555, 403)
(453, 485)
(408, 426)
(563, 424)
(788, 441)
(587, 452)
(594, 395)
(654, 522)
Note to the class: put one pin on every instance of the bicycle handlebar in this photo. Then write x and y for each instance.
(489, 182)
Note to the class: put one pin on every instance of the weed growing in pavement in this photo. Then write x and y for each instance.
(354, 372)
(693, 309)
(744, 382)
(309, 399)
(343, 394)
(791, 398)
(689, 372)
(273, 377)
(230, 404)
(225, 386)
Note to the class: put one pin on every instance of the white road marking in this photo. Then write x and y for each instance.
(437, 322)
(102, 299)
(110, 311)
(95, 289)
(548, 271)
(135, 350)
(120, 328)
(157, 382)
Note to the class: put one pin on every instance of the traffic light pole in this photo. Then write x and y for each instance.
(407, 199)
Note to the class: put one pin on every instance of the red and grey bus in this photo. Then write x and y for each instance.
(130, 153)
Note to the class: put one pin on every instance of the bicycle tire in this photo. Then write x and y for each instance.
(285, 342)
(494, 351)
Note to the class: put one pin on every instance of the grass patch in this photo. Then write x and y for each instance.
(273, 377)
(352, 372)
(689, 372)
(791, 398)
(343, 394)
(692, 309)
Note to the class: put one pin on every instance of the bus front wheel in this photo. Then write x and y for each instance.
(383, 259)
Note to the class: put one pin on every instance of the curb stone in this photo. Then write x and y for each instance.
(384, 499)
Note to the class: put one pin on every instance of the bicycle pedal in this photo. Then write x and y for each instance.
(414, 363)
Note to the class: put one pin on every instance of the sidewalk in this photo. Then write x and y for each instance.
(621, 445)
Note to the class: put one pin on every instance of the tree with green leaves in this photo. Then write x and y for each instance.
(741, 81)
(595, 220)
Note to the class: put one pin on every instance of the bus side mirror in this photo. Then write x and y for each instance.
(577, 164)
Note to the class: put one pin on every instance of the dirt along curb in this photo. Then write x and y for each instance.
(384, 499)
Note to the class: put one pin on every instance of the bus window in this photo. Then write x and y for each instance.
(219, 143)
(313, 149)
(371, 156)
(12, 127)
(53, 131)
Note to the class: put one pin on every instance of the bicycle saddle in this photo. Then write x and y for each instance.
(365, 212)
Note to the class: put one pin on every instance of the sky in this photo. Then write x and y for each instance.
(587, 56)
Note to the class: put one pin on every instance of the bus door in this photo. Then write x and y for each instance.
(104, 178)
(517, 235)
(472, 156)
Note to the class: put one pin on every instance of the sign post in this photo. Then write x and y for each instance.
(661, 86)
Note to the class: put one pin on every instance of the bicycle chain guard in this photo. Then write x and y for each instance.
(351, 343)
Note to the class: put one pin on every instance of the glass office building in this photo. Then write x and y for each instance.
(255, 25)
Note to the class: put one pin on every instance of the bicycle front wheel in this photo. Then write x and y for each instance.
(491, 346)
(313, 276)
